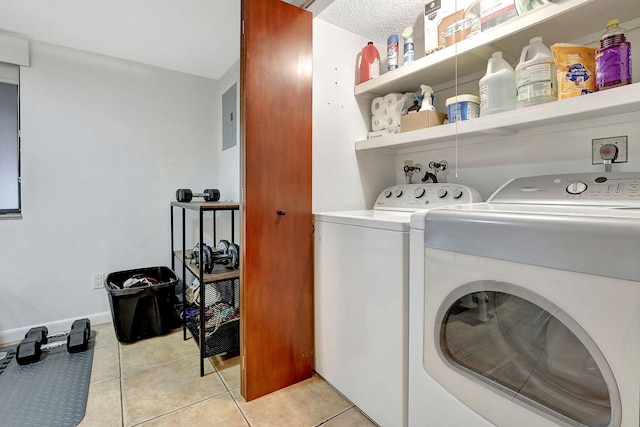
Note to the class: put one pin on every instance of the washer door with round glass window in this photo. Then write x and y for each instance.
(532, 346)
(527, 349)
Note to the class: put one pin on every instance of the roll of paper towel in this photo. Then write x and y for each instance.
(377, 106)
(377, 123)
(391, 119)
(392, 99)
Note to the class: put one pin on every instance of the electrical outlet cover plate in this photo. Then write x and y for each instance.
(618, 141)
(98, 280)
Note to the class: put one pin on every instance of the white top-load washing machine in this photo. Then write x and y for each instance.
(528, 305)
(361, 296)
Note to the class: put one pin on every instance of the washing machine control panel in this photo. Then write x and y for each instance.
(597, 189)
(412, 197)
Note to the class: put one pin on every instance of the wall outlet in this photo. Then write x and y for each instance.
(618, 141)
(98, 281)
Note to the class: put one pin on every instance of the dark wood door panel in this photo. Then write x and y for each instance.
(276, 267)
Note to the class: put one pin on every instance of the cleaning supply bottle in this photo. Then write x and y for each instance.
(427, 98)
(613, 59)
(497, 86)
(409, 49)
(392, 52)
(536, 80)
(369, 63)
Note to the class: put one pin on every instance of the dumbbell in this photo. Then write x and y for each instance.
(227, 253)
(209, 195)
(207, 257)
(41, 333)
(36, 341)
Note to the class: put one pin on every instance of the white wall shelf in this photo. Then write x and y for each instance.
(560, 21)
(602, 107)
(557, 22)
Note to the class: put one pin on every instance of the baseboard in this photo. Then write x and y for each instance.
(14, 335)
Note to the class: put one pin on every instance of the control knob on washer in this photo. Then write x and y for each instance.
(442, 193)
(398, 193)
(419, 192)
(387, 193)
(457, 193)
(576, 187)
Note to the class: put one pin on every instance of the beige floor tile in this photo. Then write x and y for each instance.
(149, 393)
(106, 364)
(350, 418)
(103, 405)
(105, 334)
(307, 403)
(217, 411)
(155, 351)
(229, 370)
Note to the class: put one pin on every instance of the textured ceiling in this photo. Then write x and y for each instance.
(376, 19)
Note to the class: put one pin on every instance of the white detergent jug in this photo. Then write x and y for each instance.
(497, 86)
(536, 79)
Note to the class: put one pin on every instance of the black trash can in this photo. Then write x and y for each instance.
(147, 308)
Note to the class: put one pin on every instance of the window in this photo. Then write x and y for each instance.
(9, 140)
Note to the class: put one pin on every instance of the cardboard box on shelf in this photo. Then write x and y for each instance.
(448, 22)
(445, 24)
(421, 120)
(495, 12)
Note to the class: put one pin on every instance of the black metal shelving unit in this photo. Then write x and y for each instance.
(216, 326)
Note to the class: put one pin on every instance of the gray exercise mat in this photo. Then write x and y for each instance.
(51, 392)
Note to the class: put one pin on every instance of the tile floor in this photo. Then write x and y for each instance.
(156, 382)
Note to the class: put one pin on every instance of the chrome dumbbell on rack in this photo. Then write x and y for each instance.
(226, 253)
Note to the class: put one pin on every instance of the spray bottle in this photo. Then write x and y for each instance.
(409, 50)
(427, 101)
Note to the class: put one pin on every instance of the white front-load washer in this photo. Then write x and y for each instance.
(530, 306)
(361, 301)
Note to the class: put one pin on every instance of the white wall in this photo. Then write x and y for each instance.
(342, 179)
(105, 144)
(486, 166)
(229, 159)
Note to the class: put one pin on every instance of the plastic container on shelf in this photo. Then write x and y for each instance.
(409, 47)
(497, 86)
(392, 52)
(613, 58)
(369, 63)
(463, 107)
(536, 79)
(146, 309)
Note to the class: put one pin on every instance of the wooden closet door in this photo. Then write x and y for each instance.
(276, 223)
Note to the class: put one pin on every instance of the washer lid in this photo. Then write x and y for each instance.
(384, 220)
(600, 241)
